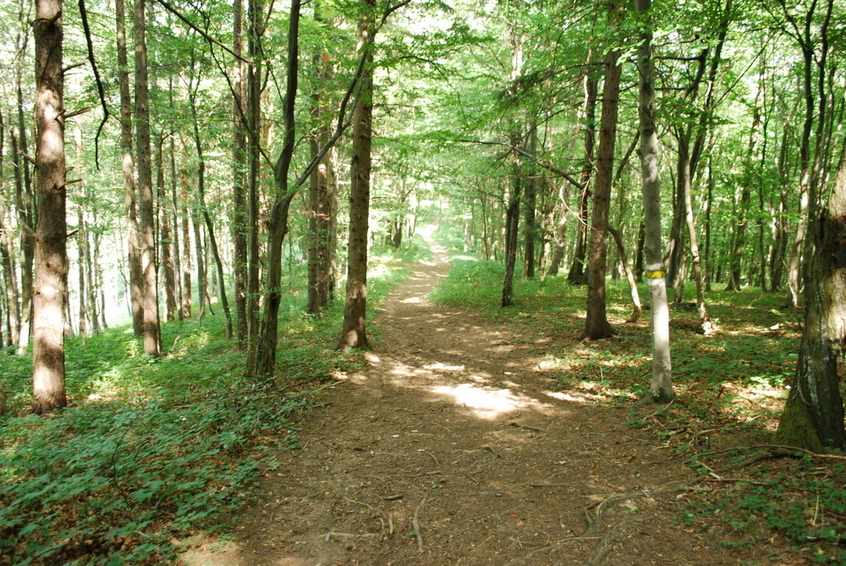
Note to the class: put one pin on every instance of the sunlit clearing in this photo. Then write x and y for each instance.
(487, 403)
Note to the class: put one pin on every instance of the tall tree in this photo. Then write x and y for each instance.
(354, 334)
(596, 322)
(150, 302)
(661, 385)
(51, 270)
(813, 415)
(239, 162)
(320, 191)
(130, 199)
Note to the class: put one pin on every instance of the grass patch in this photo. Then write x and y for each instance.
(153, 450)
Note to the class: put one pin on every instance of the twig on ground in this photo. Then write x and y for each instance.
(331, 534)
(430, 455)
(491, 448)
(415, 522)
(775, 447)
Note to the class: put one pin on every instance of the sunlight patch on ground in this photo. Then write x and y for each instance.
(487, 403)
(412, 300)
(569, 397)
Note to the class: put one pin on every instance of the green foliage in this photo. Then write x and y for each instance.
(151, 450)
(802, 500)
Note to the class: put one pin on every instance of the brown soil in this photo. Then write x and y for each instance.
(452, 448)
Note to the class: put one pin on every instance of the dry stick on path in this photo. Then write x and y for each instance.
(415, 521)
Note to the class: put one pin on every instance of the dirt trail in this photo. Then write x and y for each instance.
(452, 448)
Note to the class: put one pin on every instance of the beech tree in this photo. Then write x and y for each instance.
(813, 415)
(661, 386)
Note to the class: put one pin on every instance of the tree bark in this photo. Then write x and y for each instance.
(661, 385)
(596, 322)
(133, 241)
(813, 416)
(630, 278)
(530, 209)
(320, 189)
(167, 234)
(577, 267)
(239, 163)
(354, 332)
(152, 335)
(512, 225)
(26, 211)
(255, 32)
(50, 291)
(266, 345)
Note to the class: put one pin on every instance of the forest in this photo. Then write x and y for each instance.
(204, 204)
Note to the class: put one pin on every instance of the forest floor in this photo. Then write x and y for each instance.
(452, 447)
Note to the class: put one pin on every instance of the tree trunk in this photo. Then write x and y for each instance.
(596, 322)
(530, 208)
(813, 416)
(576, 275)
(560, 234)
(13, 311)
(201, 197)
(133, 242)
(50, 291)
(167, 235)
(320, 194)
(152, 336)
(200, 259)
(239, 162)
(621, 250)
(512, 225)
(185, 307)
(265, 355)
(255, 15)
(661, 385)
(354, 333)
(26, 212)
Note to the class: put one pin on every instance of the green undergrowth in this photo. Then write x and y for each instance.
(730, 390)
(153, 450)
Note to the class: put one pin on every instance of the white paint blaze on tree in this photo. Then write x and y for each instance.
(51, 264)
(661, 386)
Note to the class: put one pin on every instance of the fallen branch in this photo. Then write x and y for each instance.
(415, 522)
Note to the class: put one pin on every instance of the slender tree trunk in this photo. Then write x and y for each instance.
(167, 234)
(185, 307)
(50, 291)
(512, 225)
(201, 197)
(239, 163)
(266, 346)
(530, 209)
(255, 20)
(813, 415)
(320, 206)
(81, 239)
(152, 336)
(596, 321)
(200, 258)
(26, 211)
(705, 322)
(661, 385)
(133, 241)
(577, 268)
(13, 311)
(354, 333)
(560, 233)
(621, 250)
